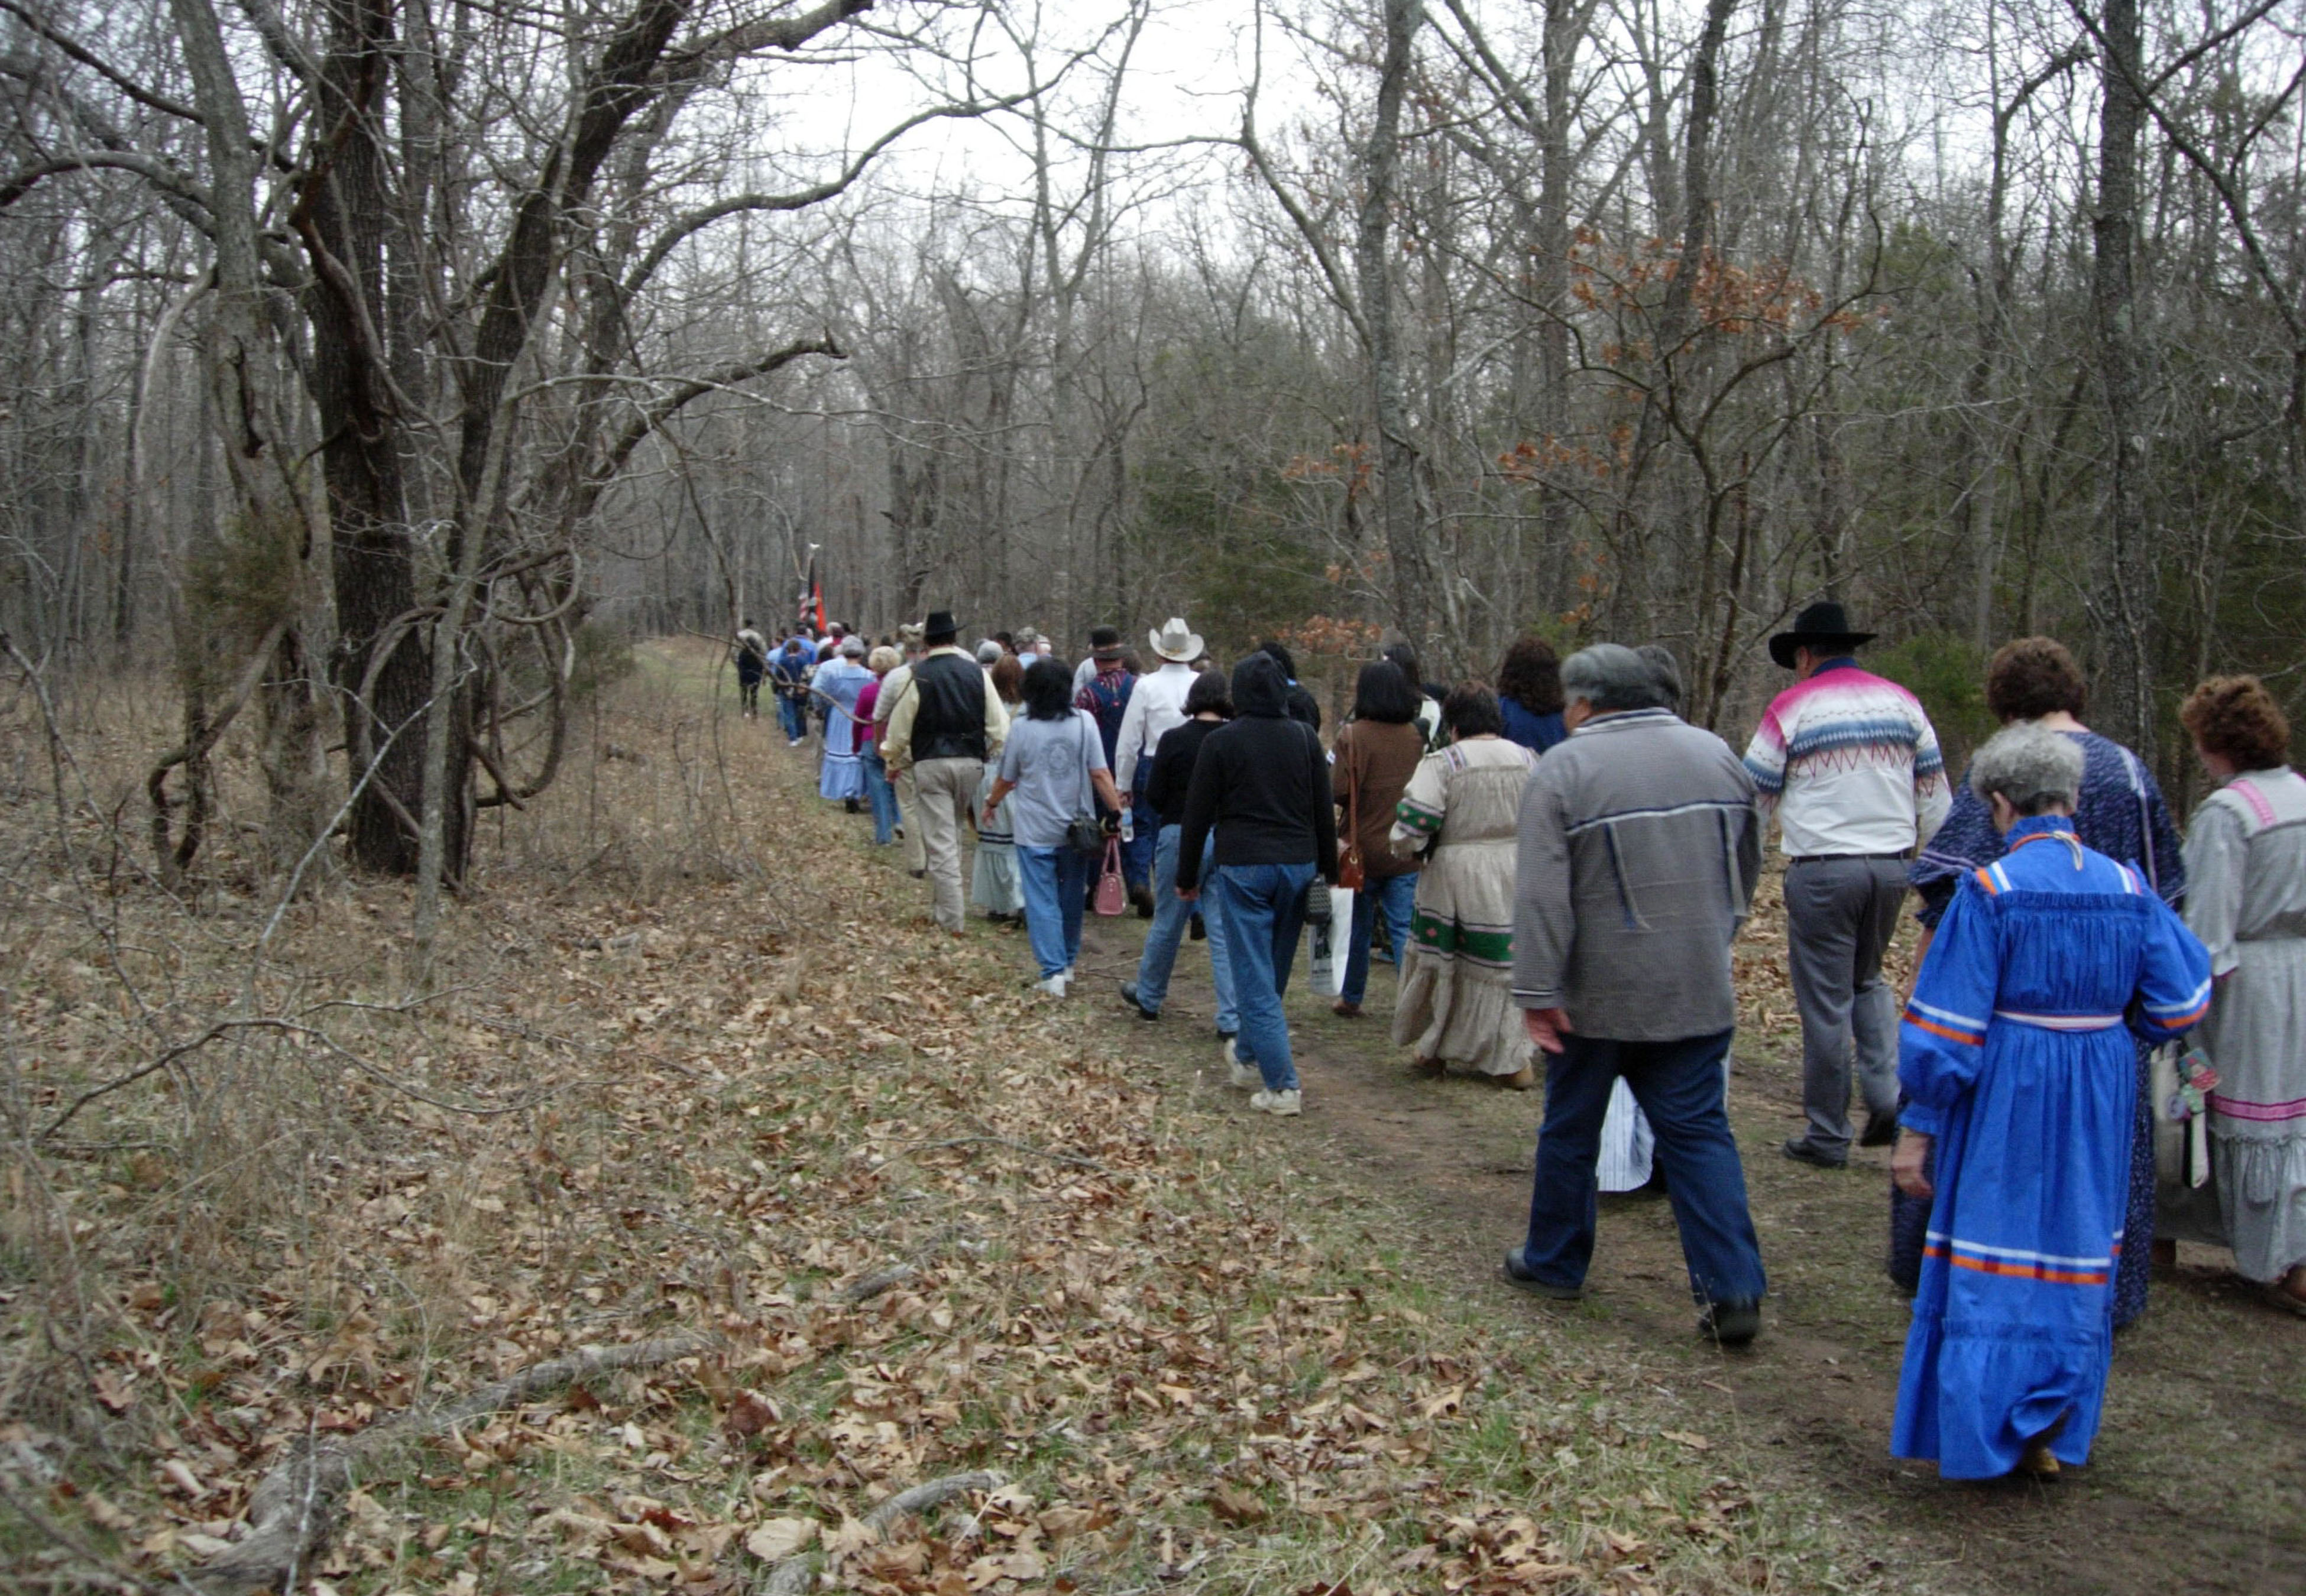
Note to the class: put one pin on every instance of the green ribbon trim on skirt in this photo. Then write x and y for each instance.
(1482, 944)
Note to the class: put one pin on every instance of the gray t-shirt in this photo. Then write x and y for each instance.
(1049, 762)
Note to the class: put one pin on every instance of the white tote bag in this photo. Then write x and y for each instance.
(1330, 940)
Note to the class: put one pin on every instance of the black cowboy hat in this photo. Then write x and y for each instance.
(940, 624)
(1822, 625)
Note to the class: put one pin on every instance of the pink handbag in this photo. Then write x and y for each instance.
(1112, 892)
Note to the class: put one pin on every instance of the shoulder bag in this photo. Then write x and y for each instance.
(1083, 832)
(1112, 892)
(1352, 873)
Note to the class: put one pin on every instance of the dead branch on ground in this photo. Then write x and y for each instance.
(292, 1510)
(796, 1573)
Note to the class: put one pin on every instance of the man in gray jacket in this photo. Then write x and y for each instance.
(1639, 848)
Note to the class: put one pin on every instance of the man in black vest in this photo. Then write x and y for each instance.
(946, 724)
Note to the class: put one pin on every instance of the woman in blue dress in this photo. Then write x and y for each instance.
(2021, 1086)
(2118, 813)
(839, 681)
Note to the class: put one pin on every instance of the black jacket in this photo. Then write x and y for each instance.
(1174, 758)
(1261, 782)
(948, 724)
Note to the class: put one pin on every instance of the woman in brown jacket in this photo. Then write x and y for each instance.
(1374, 757)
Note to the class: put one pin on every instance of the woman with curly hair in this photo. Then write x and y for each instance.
(2246, 866)
(1529, 694)
(2120, 813)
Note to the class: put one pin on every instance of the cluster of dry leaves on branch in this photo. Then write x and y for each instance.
(863, 1214)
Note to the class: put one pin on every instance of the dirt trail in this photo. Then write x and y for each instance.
(2199, 1477)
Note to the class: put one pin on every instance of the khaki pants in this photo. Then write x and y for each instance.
(909, 810)
(947, 788)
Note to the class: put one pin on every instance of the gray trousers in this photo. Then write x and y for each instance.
(948, 790)
(1840, 914)
(909, 807)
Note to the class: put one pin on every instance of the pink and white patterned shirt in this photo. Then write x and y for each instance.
(1851, 764)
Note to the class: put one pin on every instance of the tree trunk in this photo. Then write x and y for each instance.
(1397, 508)
(1677, 328)
(382, 671)
(1563, 31)
(247, 392)
(2122, 599)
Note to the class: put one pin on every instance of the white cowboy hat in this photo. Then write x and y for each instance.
(1174, 642)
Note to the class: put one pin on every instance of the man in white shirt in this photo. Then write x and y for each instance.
(1156, 707)
(1850, 767)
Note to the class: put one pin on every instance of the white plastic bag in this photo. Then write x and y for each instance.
(1330, 949)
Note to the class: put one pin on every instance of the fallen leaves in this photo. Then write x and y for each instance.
(115, 1393)
(1237, 1506)
(750, 1413)
(776, 1539)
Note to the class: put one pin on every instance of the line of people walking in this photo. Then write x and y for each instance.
(1558, 867)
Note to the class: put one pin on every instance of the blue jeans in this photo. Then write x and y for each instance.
(1138, 854)
(1679, 1085)
(1262, 908)
(1397, 895)
(1170, 913)
(792, 718)
(882, 795)
(1054, 879)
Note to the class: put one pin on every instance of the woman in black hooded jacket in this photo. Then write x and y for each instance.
(1262, 784)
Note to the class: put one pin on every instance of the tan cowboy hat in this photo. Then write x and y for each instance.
(1176, 641)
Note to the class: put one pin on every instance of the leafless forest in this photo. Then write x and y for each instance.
(365, 356)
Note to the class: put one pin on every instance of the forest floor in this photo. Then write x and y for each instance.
(690, 1062)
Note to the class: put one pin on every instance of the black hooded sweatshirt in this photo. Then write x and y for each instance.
(1262, 783)
(1299, 705)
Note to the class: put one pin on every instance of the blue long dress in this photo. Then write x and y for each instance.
(2013, 1055)
(843, 776)
(2120, 813)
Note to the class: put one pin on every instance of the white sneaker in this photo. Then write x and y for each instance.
(1284, 1104)
(1054, 986)
(1243, 1077)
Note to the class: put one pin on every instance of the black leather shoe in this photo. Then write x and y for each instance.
(1881, 1131)
(1129, 996)
(1517, 1275)
(1801, 1152)
(1731, 1324)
